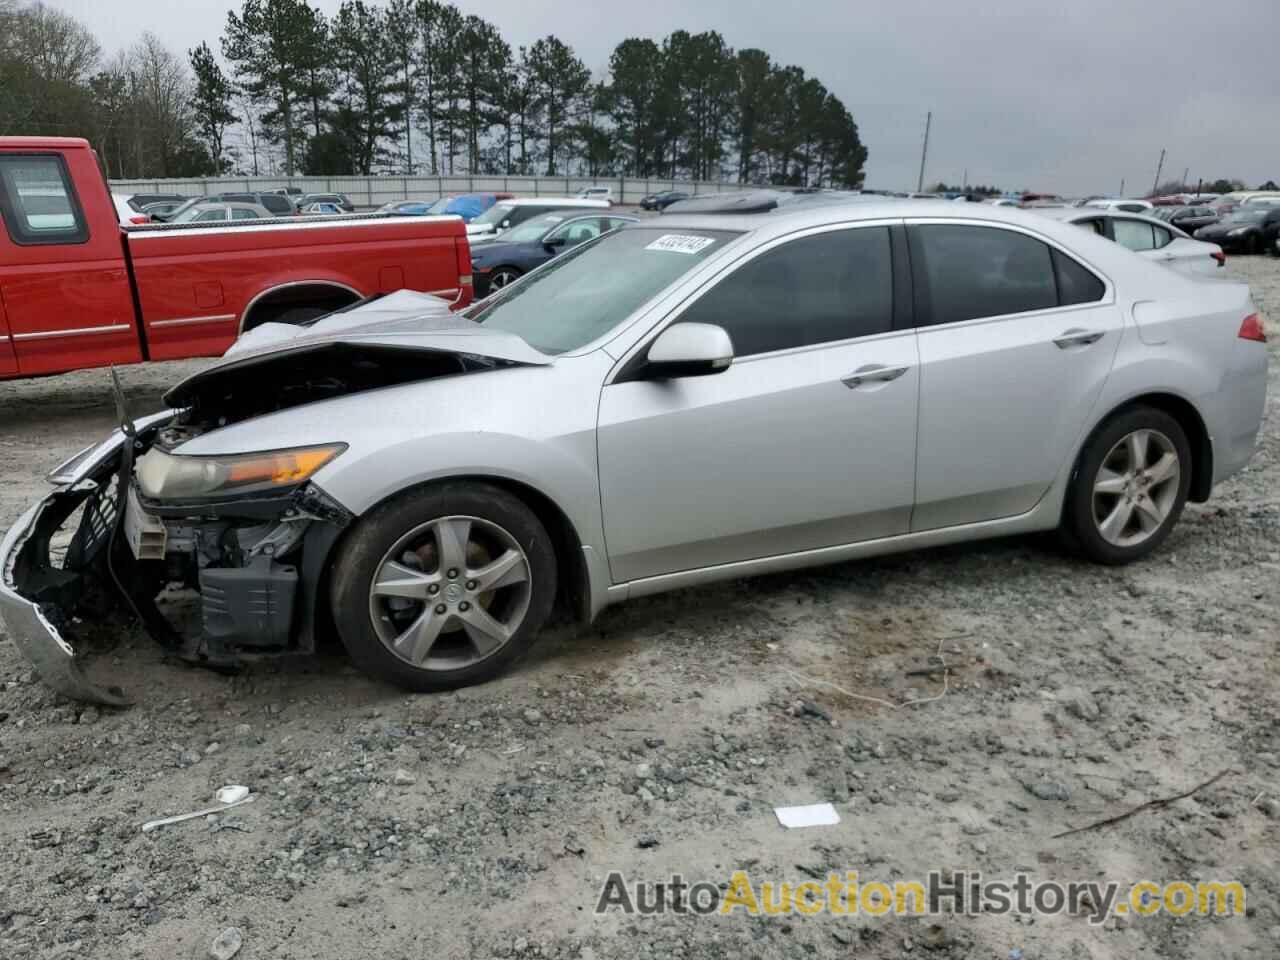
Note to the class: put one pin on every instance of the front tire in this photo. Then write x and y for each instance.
(444, 586)
(504, 276)
(1129, 486)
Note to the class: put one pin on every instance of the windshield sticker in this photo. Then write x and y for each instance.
(675, 243)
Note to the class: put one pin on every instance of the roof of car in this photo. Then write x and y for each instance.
(803, 214)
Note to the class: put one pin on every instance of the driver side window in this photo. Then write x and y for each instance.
(818, 289)
(576, 232)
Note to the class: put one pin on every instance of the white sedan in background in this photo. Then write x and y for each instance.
(1151, 238)
(1124, 206)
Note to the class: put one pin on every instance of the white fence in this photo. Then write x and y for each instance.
(375, 191)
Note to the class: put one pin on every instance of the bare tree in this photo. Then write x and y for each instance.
(56, 45)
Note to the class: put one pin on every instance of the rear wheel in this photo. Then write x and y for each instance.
(443, 587)
(1129, 486)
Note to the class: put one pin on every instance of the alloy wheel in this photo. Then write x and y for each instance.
(450, 593)
(502, 277)
(1136, 488)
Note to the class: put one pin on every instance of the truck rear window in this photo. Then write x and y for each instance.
(38, 203)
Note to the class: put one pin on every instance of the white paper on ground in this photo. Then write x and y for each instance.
(813, 815)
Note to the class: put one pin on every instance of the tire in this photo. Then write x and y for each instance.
(380, 609)
(503, 276)
(1095, 520)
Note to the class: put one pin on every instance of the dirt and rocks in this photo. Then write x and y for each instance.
(484, 823)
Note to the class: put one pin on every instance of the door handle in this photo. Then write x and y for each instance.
(1076, 337)
(872, 373)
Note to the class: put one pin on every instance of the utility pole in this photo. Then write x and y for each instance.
(924, 152)
(1185, 173)
(964, 183)
(1122, 186)
(1159, 168)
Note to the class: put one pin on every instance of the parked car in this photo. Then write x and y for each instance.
(161, 207)
(660, 201)
(1125, 206)
(510, 213)
(1191, 218)
(533, 243)
(684, 400)
(1147, 236)
(408, 208)
(322, 209)
(340, 200)
(1230, 201)
(1270, 227)
(595, 193)
(125, 213)
(219, 211)
(1240, 230)
(140, 201)
(279, 204)
(82, 291)
(290, 192)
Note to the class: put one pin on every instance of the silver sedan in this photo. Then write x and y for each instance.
(689, 399)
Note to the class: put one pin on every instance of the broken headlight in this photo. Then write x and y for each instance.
(166, 476)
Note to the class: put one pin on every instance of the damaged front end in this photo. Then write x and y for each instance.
(249, 562)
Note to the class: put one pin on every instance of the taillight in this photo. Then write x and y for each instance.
(1252, 329)
(1220, 257)
(142, 218)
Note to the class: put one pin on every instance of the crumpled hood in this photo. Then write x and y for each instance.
(401, 321)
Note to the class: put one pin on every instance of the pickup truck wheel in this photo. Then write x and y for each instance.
(444, 586)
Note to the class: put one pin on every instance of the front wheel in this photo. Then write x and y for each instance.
(443, 587)
(503, 276)
(1129, 486)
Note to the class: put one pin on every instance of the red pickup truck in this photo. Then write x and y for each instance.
(79, 290)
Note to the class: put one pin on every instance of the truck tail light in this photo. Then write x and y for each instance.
(140, 218)
(1252, 329)
(1220, 257)
(463, 251)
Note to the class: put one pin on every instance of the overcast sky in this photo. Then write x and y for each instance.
(1067, 95)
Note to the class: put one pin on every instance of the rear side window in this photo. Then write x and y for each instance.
(1134, 234)
(277, 204)
(240, 213)
(965, 272)
(1163, 236)
(38, 203)
(1075, 283)
(818, 289)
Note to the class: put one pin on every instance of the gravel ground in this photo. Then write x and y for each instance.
(483, 823)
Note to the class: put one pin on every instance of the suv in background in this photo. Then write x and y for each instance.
(279, 204)
(337, 199)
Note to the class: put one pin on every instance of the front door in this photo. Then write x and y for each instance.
(1016, 341)
(806, 441)
(63, 279)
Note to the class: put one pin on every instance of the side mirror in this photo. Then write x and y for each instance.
(688, 350)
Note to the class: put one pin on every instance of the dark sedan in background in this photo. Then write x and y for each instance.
(499, 262)
(1189, 219)
(1241, 230)
(660, 201)
(1270, 228)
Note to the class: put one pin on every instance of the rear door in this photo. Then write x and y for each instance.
(1016, 340)
(63, 277)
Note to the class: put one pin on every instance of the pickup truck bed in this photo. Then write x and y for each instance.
(79, 290)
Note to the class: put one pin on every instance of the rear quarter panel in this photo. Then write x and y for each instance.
(195, 285)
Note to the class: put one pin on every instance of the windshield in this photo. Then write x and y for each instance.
(531, 231)
(495, 214)
(584, 294)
